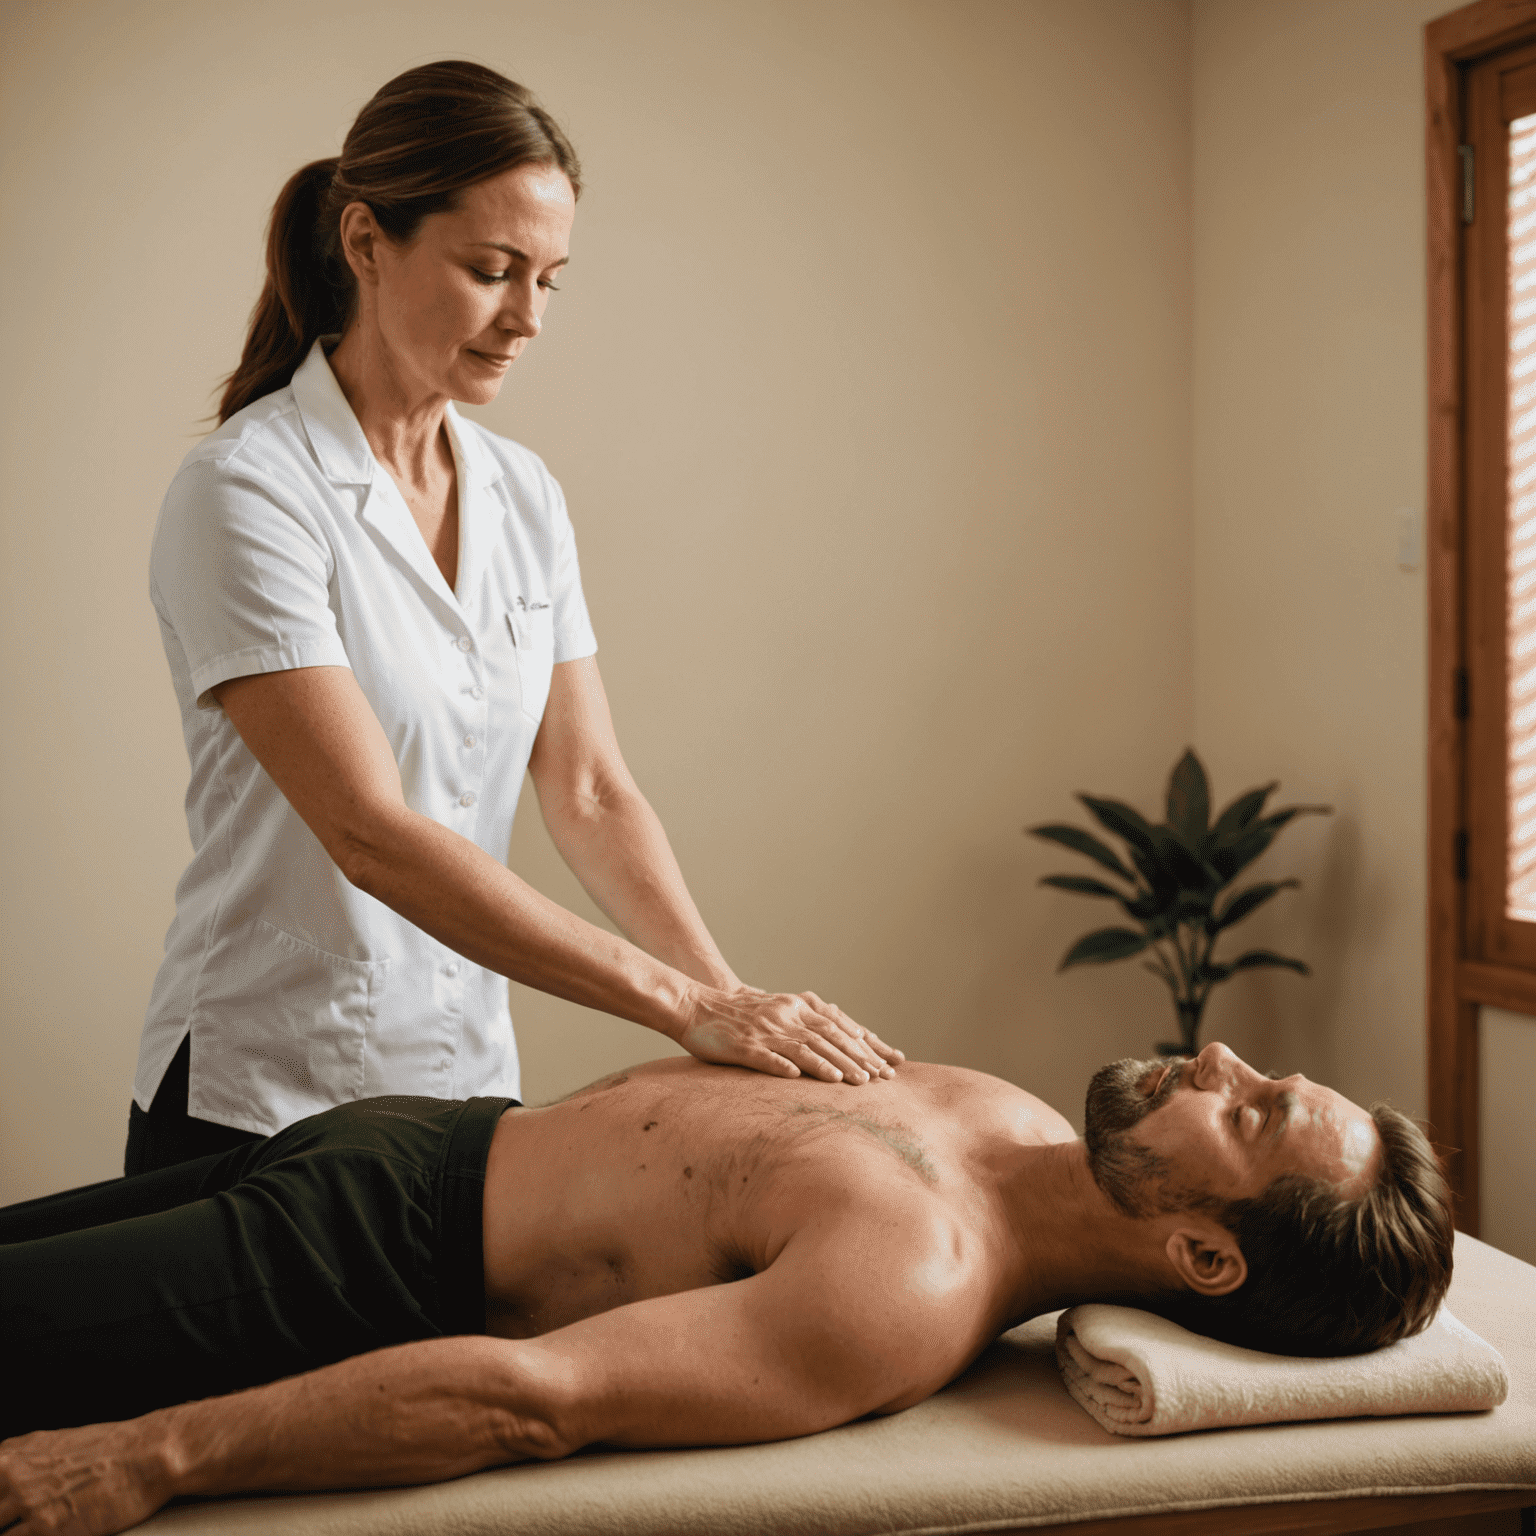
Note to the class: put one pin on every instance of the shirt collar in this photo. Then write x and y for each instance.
(339, 444)
(344, 455)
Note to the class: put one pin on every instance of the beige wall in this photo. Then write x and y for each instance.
(1508, 1063)
(1309, 411)
(869, 389)
(959, 405)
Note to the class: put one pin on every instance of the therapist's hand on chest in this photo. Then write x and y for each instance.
(442, 318)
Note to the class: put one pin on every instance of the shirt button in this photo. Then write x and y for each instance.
(467, 798)
(469, 741)
(451, 969)
(477, 692)
(465, 643)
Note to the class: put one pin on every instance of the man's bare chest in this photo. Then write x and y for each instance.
(639, 1189)
(584, 1215)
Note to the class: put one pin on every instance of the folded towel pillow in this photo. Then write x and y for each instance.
(1139, 1374)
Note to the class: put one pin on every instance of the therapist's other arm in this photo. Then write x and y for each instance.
(606, 831)
(315, 733)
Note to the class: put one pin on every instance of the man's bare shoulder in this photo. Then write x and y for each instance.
(964, 1091)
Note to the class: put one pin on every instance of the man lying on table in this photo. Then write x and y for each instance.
(682, 1254)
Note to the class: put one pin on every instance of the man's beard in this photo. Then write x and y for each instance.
(1135, 1179)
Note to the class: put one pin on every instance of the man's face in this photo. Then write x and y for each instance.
(1161, 1133)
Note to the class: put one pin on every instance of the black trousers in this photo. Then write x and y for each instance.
(351, 1230)
(165, 1133)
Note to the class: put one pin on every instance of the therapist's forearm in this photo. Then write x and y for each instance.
(616, 846)
(458, 893)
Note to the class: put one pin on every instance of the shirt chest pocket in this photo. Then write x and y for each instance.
(533, 639)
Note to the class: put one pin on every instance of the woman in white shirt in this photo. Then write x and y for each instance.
(373, 615)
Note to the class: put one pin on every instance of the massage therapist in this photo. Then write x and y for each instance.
(373, 615)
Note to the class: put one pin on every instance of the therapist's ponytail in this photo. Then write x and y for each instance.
(300, 299)
(423, 138)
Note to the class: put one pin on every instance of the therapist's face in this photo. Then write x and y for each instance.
(449, 312)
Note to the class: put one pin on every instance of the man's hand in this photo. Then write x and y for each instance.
(784, 1034)
(89, 1481)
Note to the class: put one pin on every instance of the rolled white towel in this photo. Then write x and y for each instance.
(1139, 1374)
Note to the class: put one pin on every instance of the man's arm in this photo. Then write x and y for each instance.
(826, 1334)
(862, 1310)
(410, 1414)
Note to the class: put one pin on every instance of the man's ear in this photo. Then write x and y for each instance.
(1207, 1259)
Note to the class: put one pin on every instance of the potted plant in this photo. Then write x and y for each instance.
(1177, 872)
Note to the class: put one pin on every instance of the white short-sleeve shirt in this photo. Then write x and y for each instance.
(282, 542)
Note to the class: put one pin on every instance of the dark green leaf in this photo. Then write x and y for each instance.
(1083, 885)
(1249, 844)
(1170, 1048)
(1191, 872)
(1144, 908)
(1246, 901)
(1124, 821)
(1214, 971)
(1164, 889)
(1255, 958)
(1241, 811)
(1103, 945)
(1243, 850)
(1280, 818)
(1189, 800)
(1083, 842)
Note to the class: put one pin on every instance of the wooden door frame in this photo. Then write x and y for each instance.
(1457, 986)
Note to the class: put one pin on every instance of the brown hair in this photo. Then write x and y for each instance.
(423, 138)
(1328, 1276)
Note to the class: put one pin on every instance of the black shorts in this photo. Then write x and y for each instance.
(351, 1230)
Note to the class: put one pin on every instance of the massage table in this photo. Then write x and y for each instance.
(1001, 1449)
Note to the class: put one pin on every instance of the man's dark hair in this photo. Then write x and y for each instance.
(1333, 1276)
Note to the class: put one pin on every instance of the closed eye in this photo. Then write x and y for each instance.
(501, 277)
(1260, 1119)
